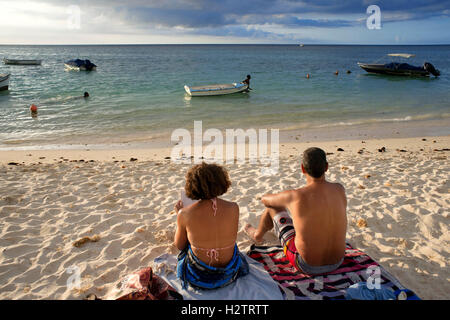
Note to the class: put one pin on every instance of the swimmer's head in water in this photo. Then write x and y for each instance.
(86, 94)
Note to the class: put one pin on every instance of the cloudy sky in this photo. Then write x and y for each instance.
(222, 21)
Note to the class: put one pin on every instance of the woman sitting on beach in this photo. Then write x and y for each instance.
(207, 231)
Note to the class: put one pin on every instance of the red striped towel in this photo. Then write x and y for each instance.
(356, 267)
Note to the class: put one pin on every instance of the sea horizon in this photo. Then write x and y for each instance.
(230, 44)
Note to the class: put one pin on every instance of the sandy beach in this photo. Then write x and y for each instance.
(398, 211)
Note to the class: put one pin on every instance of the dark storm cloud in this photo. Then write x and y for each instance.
(198, 14)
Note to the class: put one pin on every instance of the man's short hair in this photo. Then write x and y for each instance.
(315, 162)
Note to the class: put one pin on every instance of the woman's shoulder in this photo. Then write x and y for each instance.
(229, 205)
(196, 208)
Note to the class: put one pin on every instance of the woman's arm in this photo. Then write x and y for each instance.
(180, 239)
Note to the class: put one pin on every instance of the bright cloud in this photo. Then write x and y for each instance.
(218, 21)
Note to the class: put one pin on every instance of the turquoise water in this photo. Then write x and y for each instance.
(138, 91)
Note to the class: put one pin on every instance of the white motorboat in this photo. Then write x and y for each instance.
(22, 62)
(4, 81)
(216, 89)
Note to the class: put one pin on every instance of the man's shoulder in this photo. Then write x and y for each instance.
(300, 192)
(338, 186)
(339, 189)
(296, 194)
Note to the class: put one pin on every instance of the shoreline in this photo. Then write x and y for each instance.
(159, 141)
(292, 148)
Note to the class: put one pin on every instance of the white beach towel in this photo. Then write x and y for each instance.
(257, 285)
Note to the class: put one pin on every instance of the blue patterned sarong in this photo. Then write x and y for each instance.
(202, 276)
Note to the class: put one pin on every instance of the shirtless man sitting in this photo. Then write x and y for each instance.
(311, 221)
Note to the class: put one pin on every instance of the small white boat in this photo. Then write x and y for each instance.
(216, 89)
(4, 81)
(22, 62)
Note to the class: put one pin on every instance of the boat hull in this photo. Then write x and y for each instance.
(381, 69)
(4, 82)
(80, 65)
(22, 62)
(215, 90)
(75, 68)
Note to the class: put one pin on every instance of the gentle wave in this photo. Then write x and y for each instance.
(387, 120)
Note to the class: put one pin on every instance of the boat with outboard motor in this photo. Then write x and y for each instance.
(80, 65)
(401, 69)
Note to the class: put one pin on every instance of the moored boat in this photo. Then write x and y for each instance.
(400, 69)
(4, 81)
(216, 89)
(80, 65)
(18, 62)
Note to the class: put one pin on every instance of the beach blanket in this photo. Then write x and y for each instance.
(256, 285)
(294, 285)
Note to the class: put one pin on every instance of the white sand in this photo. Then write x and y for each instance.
(402, 197)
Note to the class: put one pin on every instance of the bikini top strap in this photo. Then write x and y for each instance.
(214, 252)
(214, 205)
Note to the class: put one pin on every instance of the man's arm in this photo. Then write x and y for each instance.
(278, 201)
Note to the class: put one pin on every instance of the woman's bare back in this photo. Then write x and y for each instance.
(206, 230)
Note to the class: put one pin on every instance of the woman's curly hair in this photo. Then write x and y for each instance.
(206, 181)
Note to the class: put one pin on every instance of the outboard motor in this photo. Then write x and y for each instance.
(430, 68)
(89, 65)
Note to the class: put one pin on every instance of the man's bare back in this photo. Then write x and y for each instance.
(317, 223)
(319, 214)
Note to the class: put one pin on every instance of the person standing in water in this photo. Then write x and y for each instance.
(247, 81)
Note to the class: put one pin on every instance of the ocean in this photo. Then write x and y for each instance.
(138, 92)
